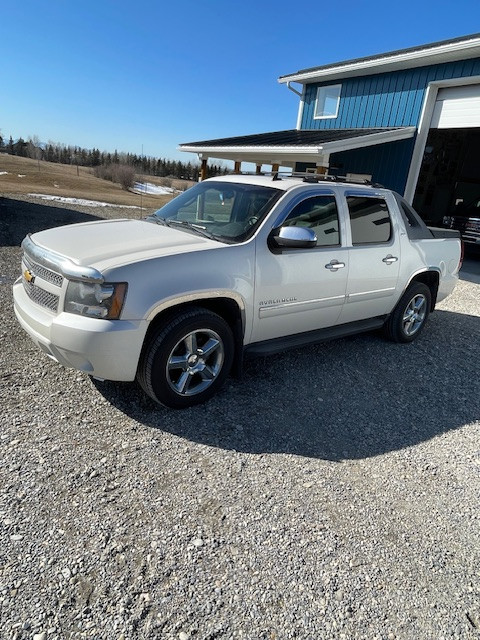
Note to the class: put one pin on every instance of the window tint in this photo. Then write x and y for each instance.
(369, 219)
(320, 214)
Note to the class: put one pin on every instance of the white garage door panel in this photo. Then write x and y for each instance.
(457, 107)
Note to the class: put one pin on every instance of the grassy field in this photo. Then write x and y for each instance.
(24, 175)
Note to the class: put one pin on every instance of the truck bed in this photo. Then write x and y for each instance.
(438, 232)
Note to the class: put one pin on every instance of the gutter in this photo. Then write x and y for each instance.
(418, 58)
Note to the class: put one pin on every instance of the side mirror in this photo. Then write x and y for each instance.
(294, 238)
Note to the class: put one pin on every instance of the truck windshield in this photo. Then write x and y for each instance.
(227, 211)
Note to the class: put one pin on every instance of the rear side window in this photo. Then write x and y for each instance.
(319, 214)
(369, 219)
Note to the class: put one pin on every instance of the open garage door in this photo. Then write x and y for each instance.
(449, 177)
(450, 173)
(457, 108)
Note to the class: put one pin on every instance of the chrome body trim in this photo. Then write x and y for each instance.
(42, 272)
(418, 272)
(198, 296)
(40, 296)
(294, 307)
(60, 264)
(375, 293)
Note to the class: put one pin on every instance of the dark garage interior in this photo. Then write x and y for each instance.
(449, 178)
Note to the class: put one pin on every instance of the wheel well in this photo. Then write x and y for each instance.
(224, 307)
(431, 279)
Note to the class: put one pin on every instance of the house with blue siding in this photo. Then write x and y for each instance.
(408, 119)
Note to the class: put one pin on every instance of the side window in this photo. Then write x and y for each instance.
(320, 214)
(369, 219)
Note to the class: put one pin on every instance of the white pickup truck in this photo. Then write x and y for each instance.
(235, 265)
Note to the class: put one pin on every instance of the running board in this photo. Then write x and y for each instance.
(277, 345)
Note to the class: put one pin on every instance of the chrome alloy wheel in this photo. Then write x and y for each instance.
(195, 362)
(414, 314)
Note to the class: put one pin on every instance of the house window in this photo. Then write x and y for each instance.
(328, 99)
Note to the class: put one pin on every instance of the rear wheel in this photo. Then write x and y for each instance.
(187, 361)
(409, 316)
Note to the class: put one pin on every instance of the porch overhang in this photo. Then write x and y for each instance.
(286, 148)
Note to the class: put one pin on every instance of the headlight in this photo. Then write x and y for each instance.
(95, 300)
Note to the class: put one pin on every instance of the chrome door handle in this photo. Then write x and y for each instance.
(334, 265)
(390, 259)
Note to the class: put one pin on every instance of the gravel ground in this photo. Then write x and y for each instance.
(332, 493)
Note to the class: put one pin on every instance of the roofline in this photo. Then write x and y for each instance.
(355, 142)
(446, 51)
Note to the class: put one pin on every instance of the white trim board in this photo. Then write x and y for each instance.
(298, 153)
(464, 50)
(424, 127)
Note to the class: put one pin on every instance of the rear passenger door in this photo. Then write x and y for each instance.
(374, 257)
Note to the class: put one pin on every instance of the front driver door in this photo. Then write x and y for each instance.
(302, 289)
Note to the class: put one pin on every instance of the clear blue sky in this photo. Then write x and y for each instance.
(113, 74)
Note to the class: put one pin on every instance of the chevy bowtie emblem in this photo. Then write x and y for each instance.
(29, 277)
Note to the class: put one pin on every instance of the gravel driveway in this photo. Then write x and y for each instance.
(333, 492)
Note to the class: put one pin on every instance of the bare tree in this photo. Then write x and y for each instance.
(34, 149)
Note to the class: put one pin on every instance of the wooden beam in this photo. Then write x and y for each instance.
(258, 169)
(203, 169)
(238, 167)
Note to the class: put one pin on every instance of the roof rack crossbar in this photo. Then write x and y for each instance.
(312, 178)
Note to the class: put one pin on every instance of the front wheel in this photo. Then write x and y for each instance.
(410, 315)
(187, 361)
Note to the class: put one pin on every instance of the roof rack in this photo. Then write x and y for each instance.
(313, 178)
(316, 177)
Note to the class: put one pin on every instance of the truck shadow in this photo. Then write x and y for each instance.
(17, 218)
(352, 398)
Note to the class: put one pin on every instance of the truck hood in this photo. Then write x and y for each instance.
(116, 242)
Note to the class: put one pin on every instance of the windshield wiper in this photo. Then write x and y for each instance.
(197, 228)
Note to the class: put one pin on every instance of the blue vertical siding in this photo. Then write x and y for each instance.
(386, 99)
(388, 163)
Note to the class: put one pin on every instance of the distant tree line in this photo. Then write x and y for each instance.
(65, 154)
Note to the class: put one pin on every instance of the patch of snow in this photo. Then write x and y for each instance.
(81, 201)
(152, 189)
(3, 173)
(22, 175)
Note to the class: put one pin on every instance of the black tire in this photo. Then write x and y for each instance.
(175, 369)
(408, 319)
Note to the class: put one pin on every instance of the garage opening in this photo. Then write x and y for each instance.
(449, 178)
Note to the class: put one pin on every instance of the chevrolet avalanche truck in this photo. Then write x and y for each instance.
(235, 265)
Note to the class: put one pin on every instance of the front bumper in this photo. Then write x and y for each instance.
(107, 349)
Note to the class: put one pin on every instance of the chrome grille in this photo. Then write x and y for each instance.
(40, 296)
(43, 272)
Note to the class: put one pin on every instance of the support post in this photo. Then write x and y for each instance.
(238, 167)
(203, 169)
(258, 169)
